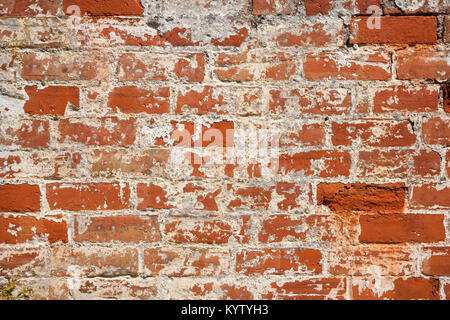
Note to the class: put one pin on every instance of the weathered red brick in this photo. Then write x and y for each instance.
(106, 7)
(396, 289)
(176, 262)
(132, 99)
(436, 261)
(446, 91)
(93, 261)
(88, 196)
(314, 228)
(394, 29)
(188, 230)
(51, 100)
(20, 198)
(33, 33)
(63, 67)
(29, 8)
(333, 163)
(423, 63)
(436, 131)
(219, 100)
(137, 66)
(314, 7)
(339, 197)
(310, 101)
(348, 66)
(430, 196)
(398, 163)
(406, 99)
(186, 196)
(25, 133)
(308, 289)
(254, 65)
(384, 260)
(97, 131)
(21, 229)
(132, 229)
(113, 163)
(398, 228)
(278, 261)
(373, 133)
(126, 288)
(26, 262)
(263, 7)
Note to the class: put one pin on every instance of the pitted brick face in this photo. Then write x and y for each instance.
(239, 149)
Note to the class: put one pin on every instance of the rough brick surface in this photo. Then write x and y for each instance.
(212, 149)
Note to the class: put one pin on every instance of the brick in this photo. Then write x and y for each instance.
(29, 8)
(20, 198)
(185, 230)
(27, 262)
(264, 7)
(394, 30)
(8, 71)
(398, 163)
(446, 91)
(133, 100)
(113, 163)
(347, 66)
(46, 288)
(129, 229)
(93, 261)
(186, 196)
(177, 262)
(188, 134)
(283, 196)
(406, 99)
(97, 131)
(88, 196)
(373, 133)
(436, 131)
(308, 289)
(399, 228)
(126, 288)
(40, 164)
(425, 63)
(313, 134)
(21, 229)
(278, 261)
(310, 101)
(436, 261)
(332, 163)
(384, 260)
(116, 32)
(219, 100)
(314, 7)
(137, 66)
(309, 33)
(291, 228)
(254, 65)
(33, 33)
(429, 196)
(64, 67)
(25, 133)
(51, 100)
(447, 291)
(396, 289)
(358, 197)
(106, 7)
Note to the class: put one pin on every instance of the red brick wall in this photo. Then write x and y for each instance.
(110, 186)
